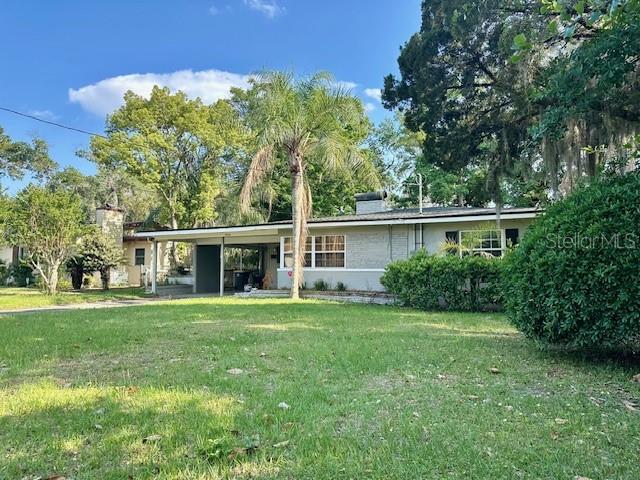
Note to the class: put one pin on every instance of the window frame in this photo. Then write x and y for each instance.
(313, 252)
(500, 236)
(135, 256)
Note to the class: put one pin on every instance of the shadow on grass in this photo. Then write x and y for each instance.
(73, 333)
(124, 432)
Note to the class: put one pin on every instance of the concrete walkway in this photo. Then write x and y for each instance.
(347, 297)
(86, 306)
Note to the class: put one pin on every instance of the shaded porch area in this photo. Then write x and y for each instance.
(228, 263)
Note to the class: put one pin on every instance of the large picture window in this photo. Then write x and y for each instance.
(322, 251)
(481, 242)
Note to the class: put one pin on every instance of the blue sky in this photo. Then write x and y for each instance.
(69, 61)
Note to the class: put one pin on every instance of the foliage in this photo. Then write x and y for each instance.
(176, 146)
(75, 268)
(4, 272)
(341, 287)
(598, 78)
(298, 124)
(18, 157)
(21, 274)
(459, 87)
(430, 282)
(574, 278)
(520, 90)
(320, 285)
(98, 252)
(47, 224)
(113, 186)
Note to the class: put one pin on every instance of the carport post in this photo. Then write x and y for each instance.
(154, 267)
(222, 267)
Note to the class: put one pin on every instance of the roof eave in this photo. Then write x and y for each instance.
(275, 227)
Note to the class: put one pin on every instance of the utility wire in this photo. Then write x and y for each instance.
(33, 117)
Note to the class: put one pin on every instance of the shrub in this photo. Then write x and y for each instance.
(22, 274)
(575, 278)
(320, 285)
(4, 273)
(430, 282)
(341, 287)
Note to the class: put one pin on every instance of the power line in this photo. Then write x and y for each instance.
(33, 117)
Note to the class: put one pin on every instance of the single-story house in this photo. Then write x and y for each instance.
(351, 249)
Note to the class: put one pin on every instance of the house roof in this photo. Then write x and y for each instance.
(389, 217)
(414, 213)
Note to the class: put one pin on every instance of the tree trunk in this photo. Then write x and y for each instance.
(297, 191)
(105, 277)
(52, 283)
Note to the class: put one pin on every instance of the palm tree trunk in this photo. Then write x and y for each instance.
(297, 191)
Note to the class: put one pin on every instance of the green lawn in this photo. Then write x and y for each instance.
(372, 392)
(15, 298)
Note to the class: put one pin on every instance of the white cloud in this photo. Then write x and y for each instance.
(374, 93)
(213, 10)
(345, 85)
(268, 8)
(369, 107)
(106, 95)
(44, 114)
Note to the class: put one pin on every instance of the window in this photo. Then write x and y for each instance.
(323, 251)
(139, 256)
(329, 251)
(452, 242)
(288, 252)
(511, 234)
(418, 235)
(481, 242)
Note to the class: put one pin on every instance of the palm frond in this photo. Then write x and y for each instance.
(260, 165)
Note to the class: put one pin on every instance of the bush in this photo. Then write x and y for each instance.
(22, 274)
(430, 282)
(575, 278)
(320, 285)
(4, 273)
(341, 287)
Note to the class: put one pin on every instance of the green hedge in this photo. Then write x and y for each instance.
(430, 282)
(575, 277)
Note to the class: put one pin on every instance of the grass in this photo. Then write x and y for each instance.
(373, 392)
(16, 298)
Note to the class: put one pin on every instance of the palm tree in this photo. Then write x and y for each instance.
(299, 121)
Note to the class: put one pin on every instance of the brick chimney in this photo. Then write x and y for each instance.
(371, 202)
(111, 221)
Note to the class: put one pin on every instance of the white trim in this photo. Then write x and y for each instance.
(222, 267)
(281, 252)
(154, 268)
(276, 228)
(337, 269)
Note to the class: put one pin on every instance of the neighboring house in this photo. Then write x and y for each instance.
(9, 255)
(136, 251)
(352, 249)
(137, 254)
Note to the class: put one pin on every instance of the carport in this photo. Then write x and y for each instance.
(208, 254)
